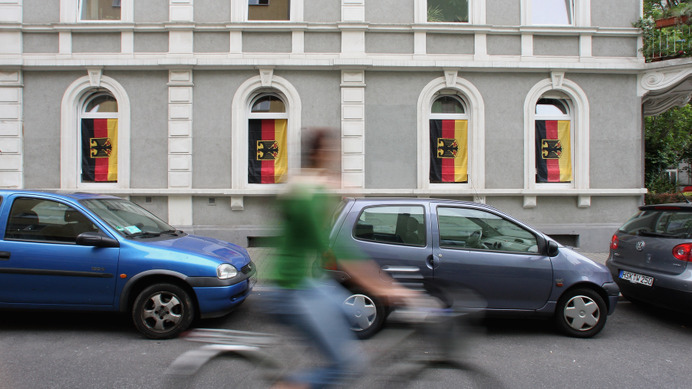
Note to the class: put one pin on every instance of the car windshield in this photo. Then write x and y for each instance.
(665, 223)
(128, 218)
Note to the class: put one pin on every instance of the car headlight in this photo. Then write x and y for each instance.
(226, 271)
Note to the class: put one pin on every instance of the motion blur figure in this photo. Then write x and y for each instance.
(313, 306)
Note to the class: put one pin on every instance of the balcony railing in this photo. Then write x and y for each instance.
(667, 42)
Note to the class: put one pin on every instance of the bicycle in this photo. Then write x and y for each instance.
(423, 353)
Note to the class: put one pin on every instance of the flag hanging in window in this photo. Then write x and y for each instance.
(267, 156)
(99, 150)
(448, 150)
(553, 151)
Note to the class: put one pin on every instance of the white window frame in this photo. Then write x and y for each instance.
(581, 14)
(70, 148)
(246, 94)
(475, 111)
(558, 86)
(239, 12)
(477, 11)
(70, 12)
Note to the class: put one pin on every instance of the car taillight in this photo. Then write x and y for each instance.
(614, 242)
(683, 252)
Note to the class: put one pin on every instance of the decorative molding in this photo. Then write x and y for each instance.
(69, 128)
(266, 75)
(95, 76)
(476, 129)
(580, 130)
(247, 91)
(11, 134)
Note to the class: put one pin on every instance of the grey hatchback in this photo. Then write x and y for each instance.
(515, 268)
(650, 253)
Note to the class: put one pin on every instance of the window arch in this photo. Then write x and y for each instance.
(553, 138)
(267, 140)
(271, 103)
(451, 105)
(99, 137)
(92, 102)
(556, 135)
(449, 139)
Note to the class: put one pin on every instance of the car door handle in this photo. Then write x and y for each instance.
(4, 255)
(431, 261)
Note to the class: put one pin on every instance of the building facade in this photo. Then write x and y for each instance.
(195, 108)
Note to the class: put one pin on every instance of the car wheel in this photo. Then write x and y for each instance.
(162, 311)
(581, 313)
(366, 314)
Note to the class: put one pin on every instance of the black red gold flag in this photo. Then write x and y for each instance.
(267, 154)
(553, 151)
(99, 150)
(448, 151)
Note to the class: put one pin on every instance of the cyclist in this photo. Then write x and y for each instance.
(312, 306)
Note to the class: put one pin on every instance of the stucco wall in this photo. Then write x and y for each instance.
(389, 11)
(43, 92)
(148, 94)
(155, 11)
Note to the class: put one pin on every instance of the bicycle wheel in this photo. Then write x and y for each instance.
(220, 365)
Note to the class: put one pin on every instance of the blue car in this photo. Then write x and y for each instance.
(103, 253)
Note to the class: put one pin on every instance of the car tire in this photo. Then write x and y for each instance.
(581, 313)
(366, 314)
(162, 311)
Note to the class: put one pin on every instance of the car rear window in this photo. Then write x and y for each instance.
(665, 223)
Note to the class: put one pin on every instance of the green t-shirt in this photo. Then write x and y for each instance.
(305, 213)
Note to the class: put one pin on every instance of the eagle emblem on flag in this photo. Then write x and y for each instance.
(551, 149)
(100, 147)
(267, 150)
(447, 148)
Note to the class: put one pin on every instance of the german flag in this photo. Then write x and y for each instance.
(553, 151)
(99, 150)
(449, 151)
(267, 154)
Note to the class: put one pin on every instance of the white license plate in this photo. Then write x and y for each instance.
(252, 281)
(636, 278)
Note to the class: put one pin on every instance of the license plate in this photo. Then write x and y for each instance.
(252, 281)
(636, 278)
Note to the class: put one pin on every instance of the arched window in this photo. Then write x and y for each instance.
(554, 139)
(267, 140)
(556, 136)
(94, 98)
(449, 139)
(99, 137)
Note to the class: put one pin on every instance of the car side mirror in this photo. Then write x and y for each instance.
(97, 240)
(553, 249)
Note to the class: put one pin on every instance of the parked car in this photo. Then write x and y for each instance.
(515, 268)
(650, 255)
(103, 253)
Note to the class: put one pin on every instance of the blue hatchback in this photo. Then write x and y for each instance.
(103, 253)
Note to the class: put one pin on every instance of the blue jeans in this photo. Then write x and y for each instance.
(317, 312)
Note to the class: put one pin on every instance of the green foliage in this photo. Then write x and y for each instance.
(668, 139)
(668, 42)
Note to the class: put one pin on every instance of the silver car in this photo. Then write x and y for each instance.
(650, 253)
(515, 268)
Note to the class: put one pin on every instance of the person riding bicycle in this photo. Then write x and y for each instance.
(314, 306)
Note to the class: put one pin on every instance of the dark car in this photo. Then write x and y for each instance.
(515, 268)
(650, 255)
(103, 253)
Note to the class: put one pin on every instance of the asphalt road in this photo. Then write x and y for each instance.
(639, 348)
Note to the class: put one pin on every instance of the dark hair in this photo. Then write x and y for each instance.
(316, 140)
